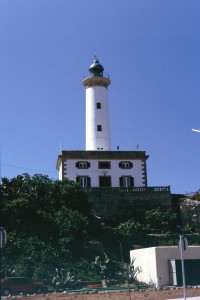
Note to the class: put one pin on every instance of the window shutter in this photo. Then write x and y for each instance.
(89, 182)
(121, 181)
(131, 165)
(120, 165)
(78, 179)
(77, 164)
(88, 164)
(131, 181)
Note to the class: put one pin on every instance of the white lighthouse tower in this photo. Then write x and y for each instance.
(97, 113)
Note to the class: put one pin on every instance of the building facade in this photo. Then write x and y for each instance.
(104, 168)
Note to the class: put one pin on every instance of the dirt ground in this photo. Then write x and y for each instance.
(123, 295)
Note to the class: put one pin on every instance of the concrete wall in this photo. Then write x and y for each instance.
(154, 262)
(60, 171)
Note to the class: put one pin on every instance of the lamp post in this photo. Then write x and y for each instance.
(183, 245)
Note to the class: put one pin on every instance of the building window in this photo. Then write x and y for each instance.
(82, 164)
(98, 105)
(83, 181)
(99, 128)
(125, 164)
(104, 165)
(126, 181)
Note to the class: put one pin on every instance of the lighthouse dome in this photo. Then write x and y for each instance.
(96, 69)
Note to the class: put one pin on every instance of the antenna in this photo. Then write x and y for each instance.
(95, 56)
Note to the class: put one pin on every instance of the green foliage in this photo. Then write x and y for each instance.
(29, 203)
(187, 228)
(44, 193)
(130, 228)
(69, 194)
(70, 223)
(27, 257)
(72, 229)
(46, 222)
(197, 195)
(52, 236)
(160, 219)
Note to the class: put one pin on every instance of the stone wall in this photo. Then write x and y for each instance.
(113, 204)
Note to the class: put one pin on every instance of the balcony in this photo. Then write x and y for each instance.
(152, 189)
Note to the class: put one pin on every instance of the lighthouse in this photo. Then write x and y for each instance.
(97, 111)
(115, 180)
(98, 166)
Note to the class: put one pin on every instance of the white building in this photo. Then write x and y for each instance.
(104, 168)
(161, 266)
(98, 165)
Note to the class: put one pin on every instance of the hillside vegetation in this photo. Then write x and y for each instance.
(53, 237)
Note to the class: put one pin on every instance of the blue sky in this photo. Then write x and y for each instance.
(150, 49)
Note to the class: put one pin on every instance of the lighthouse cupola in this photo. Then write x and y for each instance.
(96, 69)
(97, 114)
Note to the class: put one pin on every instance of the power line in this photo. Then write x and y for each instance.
(26, 168)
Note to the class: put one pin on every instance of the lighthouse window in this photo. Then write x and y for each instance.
(99, 128)
(98, 105)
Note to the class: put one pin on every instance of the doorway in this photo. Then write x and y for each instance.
(104, 181)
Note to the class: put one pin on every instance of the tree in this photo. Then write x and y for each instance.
(72, 227)
(197, 195)
(69, 194)
(160, 219)
(29, 203)
(130, 228)
(45, 224)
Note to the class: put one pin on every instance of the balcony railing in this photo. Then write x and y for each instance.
(155, 189)
(105, 75)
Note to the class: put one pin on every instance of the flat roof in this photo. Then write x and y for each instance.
(87, 154)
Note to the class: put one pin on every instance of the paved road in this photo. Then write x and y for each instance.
(187, 298)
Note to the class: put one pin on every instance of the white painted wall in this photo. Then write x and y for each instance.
(94, 117)
(60, 172)
(115, 172)
(154, 262)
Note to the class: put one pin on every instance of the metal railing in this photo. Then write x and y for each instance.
(104, 75)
